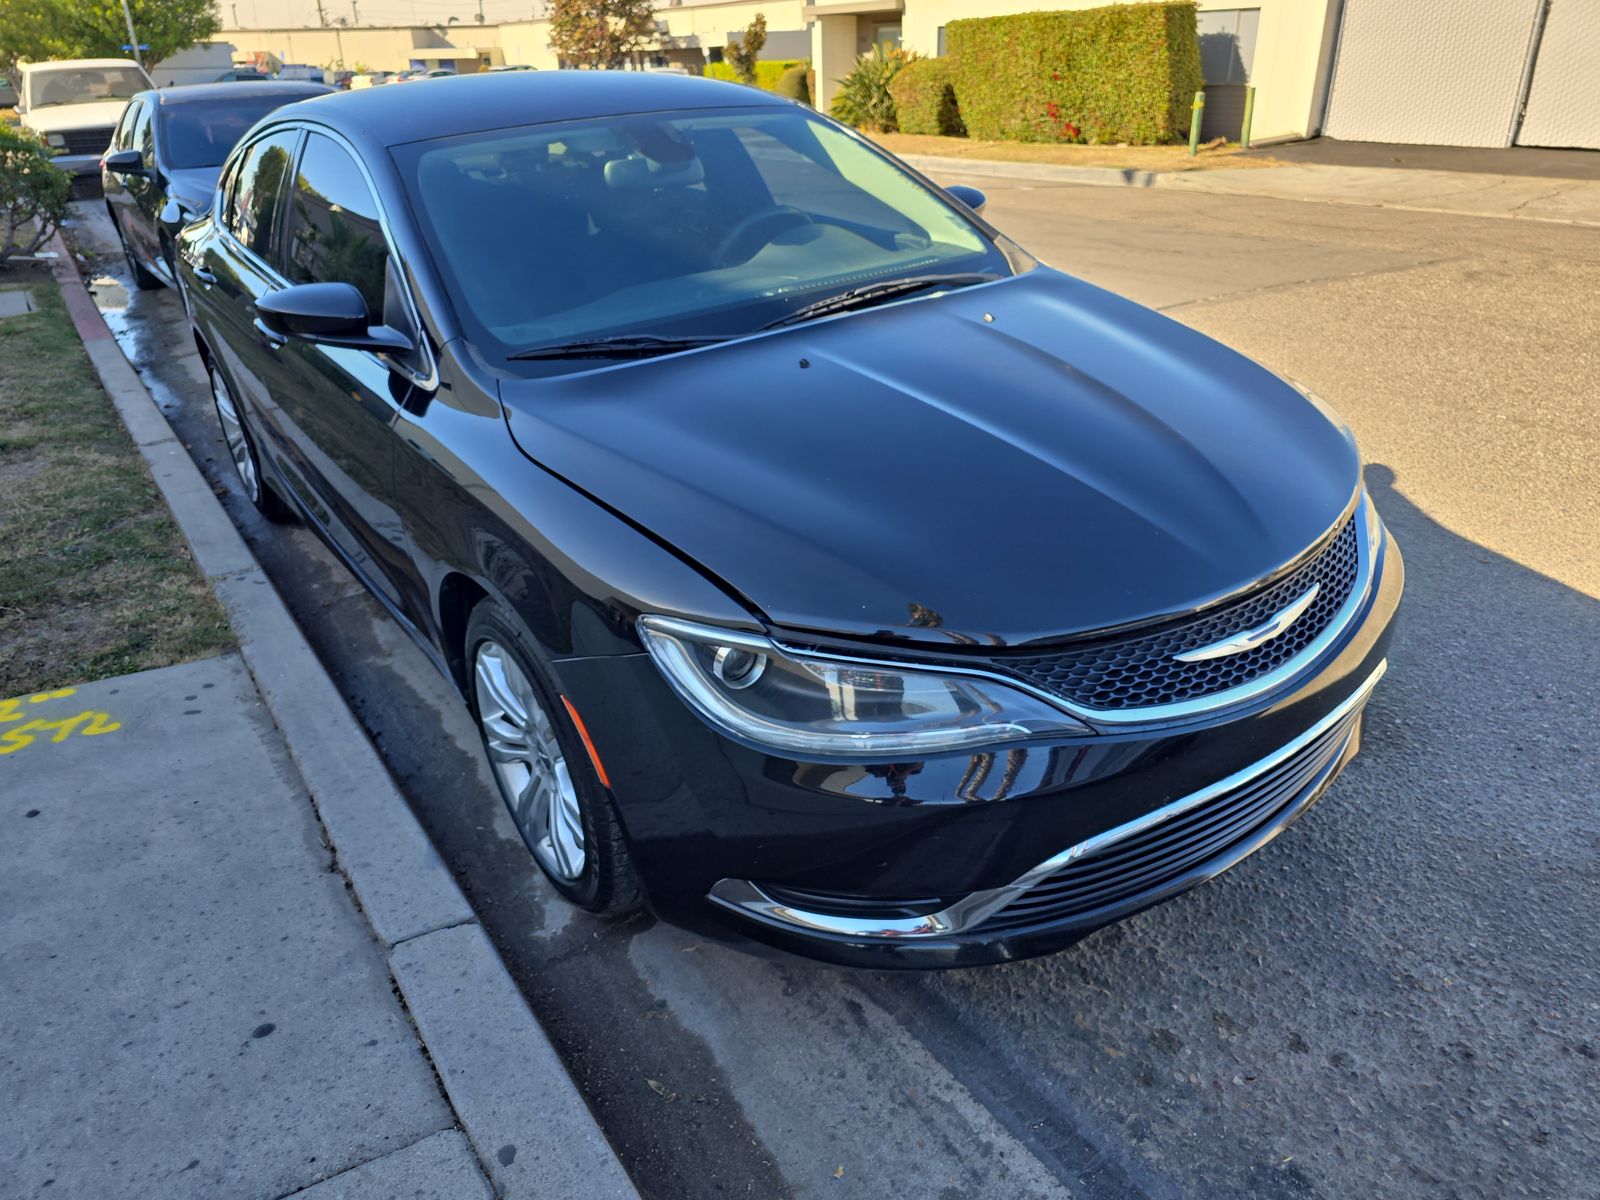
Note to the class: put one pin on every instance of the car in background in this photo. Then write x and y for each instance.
(302, 72)
(513, 67)
(369, 79)
(75, 104)
(241, 75)
(992, 609)
(160, 169)
(434, 73)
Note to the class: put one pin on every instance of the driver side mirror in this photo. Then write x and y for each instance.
(125, 162)
(328, 314)
(970, 196)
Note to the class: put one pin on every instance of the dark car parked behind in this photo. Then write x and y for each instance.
(815, 562)
(161, 168)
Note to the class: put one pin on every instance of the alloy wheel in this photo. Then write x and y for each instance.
(529, 763)
(233, 433)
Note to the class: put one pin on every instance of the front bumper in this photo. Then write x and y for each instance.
(941, 863)
(78, 165)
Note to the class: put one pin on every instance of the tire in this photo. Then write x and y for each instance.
(142, 279)
(242, 450)
(542, 768)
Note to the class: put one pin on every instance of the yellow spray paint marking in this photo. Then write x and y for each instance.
(44, 731)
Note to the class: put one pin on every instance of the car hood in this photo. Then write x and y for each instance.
(55, 118)
(192, 187)
(1004, 464)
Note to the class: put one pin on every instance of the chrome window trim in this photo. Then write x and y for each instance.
(428, 380)
(748, 899)
(1112, 720)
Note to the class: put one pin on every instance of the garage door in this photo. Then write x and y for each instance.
(1564, 101)
(1445, 72)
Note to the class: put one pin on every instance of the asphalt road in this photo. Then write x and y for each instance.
(1400, 997)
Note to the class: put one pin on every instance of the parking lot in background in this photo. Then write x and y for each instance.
(1399, 997)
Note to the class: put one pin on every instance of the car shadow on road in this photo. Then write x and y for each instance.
(1397, 996)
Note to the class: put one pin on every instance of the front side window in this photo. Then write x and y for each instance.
(332, 233)
(122, 137)
(144, 136)
(702, 223)
(258, 182)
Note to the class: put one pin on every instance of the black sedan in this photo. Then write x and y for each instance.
(161, 168)
(816, 563)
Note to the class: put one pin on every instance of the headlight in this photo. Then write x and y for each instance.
(816, 706)
(55, 139)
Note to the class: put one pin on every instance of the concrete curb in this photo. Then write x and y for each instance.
(1411, 189)
(416, 911)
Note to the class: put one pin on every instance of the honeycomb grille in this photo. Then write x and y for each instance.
(1141, 671)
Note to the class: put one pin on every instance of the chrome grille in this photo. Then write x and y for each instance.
(1152, 862)
(1142, 671)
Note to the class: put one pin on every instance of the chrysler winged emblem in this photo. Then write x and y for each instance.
(1249, 639)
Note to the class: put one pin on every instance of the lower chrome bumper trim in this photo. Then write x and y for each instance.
(748, 899)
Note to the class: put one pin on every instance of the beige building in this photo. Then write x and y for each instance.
(463, 48)
(1450, 72)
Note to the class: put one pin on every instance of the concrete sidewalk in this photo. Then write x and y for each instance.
(191, 1005)
(231, 962)
(1466, 193)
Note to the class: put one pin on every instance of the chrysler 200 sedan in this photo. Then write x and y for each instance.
(816, 564)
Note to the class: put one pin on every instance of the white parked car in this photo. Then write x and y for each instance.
(75, 104)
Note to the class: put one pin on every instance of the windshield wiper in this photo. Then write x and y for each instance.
(637, 345)
(876, 293)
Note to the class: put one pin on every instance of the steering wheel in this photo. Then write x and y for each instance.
(733, 240)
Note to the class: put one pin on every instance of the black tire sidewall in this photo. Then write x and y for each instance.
(593, 890)
(266, 501)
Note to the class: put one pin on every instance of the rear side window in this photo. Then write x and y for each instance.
(332, 233)
(256, 190)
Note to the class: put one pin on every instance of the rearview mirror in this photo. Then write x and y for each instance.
(970, 196)
(328, 314)
(125, 162)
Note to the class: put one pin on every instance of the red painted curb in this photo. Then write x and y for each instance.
(91, 326)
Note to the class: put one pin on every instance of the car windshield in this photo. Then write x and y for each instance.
(676, 225)
(201, 133)
(84, 85)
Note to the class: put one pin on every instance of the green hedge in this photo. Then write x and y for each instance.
(1125, 73)
(925, 98)
(767, 73)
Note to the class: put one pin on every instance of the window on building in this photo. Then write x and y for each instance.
(1228, 43)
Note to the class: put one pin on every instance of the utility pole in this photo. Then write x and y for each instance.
(133, 38)
(322, 18)
(480, 12)
(235, 8)
(355, 17)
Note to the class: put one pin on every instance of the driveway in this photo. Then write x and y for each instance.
(1400, 997)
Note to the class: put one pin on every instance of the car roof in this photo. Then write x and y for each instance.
(504, 99)
(201, 92)
(74, 63)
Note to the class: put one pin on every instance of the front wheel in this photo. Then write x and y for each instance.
(543, 771)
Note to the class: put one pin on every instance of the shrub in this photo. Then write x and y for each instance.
(925, 98)
(33, 194)
(767, 73)
(863, 99)
(792, 84)
(1125, 73)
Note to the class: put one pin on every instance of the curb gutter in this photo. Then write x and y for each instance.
(495, 1061)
